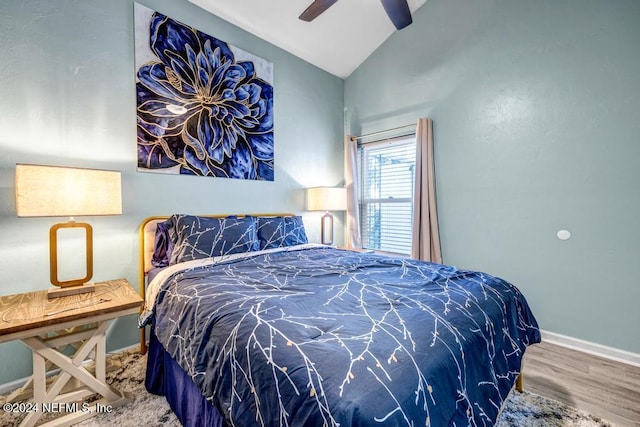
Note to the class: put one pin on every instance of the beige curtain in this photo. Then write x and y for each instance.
(351, 181)
(426, 238)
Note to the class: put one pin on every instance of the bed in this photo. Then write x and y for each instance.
(250, 325)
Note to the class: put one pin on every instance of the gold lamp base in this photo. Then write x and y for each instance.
(71, 290)
(326, 229)
(74, 286)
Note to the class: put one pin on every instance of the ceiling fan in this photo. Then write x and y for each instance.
(397, 10)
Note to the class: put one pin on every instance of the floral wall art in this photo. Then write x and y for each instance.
(204, 107)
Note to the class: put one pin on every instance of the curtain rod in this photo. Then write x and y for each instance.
(355, 138)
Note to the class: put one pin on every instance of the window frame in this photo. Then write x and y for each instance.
(364, 203)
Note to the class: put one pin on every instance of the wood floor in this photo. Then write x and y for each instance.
(599, 386)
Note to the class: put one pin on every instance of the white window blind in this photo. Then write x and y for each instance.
(386, 194)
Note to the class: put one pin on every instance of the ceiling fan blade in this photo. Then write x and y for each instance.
(315, 9)
(398, 11)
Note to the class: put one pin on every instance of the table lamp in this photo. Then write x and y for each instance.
(326, 199)
(63, 191)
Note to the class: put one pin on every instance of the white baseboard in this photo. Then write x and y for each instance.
(600, 350)
(10, 386)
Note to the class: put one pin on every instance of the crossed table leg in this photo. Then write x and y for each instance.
(45, 349)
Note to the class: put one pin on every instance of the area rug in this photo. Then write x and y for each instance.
(521, 409)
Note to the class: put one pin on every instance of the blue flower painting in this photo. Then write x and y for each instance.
(204, 107)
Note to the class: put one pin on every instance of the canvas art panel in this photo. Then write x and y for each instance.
(204, 107)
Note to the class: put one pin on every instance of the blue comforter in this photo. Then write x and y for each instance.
(324, 337)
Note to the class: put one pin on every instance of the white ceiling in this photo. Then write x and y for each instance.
(337, 41)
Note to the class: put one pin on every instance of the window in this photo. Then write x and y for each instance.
(386, 194)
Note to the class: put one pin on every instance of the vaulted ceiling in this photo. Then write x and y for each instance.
(337, 41)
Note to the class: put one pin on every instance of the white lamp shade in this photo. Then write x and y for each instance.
(62, 191)
(326, 199)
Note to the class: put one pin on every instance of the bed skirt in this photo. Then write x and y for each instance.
(164, 377)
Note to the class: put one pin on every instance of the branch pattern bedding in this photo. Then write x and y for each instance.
(312, 335)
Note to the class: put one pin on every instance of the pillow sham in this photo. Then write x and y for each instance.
(163, 244)
(281, 231)
(199, 237)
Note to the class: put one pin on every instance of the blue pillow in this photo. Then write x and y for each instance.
(199, 237)
(163, 244)
(281, 231)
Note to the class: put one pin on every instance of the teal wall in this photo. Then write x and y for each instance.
(536, 109)
(67, 97)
